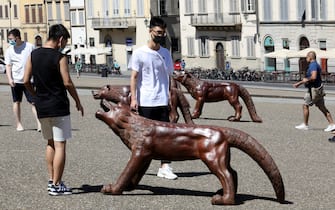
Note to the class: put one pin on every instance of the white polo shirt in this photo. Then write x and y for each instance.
(154, 68)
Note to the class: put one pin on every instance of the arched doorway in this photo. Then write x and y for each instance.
(109, 57)
(220, 57)
(38, 41)
(269, 63)
(303, 65)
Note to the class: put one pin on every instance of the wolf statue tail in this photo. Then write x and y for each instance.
(249, 103)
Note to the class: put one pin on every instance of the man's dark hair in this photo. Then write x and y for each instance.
(156, 21)
(57, 31)
(15, 32)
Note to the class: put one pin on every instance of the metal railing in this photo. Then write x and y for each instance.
(113, 23)
(217, 19)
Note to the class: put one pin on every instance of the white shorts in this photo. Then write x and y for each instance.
(56, 128)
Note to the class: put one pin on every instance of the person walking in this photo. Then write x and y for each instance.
(78, 66)
(49, 68)
(183, 65)
(312, 82)
(149, 82)
(15, 59)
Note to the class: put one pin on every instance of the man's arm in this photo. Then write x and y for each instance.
(27, 76)
(64, 70)
(306, 80)
(133, 84)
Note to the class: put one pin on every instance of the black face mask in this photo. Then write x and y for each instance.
(159, 39)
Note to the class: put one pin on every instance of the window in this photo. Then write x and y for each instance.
(15, 10)
(91, 40)
(26, 10)
(140, 8)
(40, 13)
(322, 44)
(190, 46)
(33, 14)
(50, 15)
(6, 11)
(25, 36)
(105, 8)
(314, 8)
(66, 10)
(73, 18)
(1, 15)
(38, 41)
(116, 7)
(267, 10)
(250, 46)
(162, 7)
(188, 6)
(202, 6)
(286, 44)
(90, 8)
(323, 9)
(203, 47)
(234, 6)
(284, 10)
(235, 42)
(127, 7)
(81, 17)
(301, 9)
(248, 6)
(58, 11)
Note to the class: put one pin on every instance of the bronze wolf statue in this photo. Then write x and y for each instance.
(206, 91)
(148, 140)
(121, 94)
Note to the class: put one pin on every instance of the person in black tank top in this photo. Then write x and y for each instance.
(52, 81)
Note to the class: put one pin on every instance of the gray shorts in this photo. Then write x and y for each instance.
(56, 128)
(309, 102)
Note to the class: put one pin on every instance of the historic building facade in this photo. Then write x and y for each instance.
(205, 33)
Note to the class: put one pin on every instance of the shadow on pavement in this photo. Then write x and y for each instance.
(240, 198)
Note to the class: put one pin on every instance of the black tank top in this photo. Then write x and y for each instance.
(51, 96)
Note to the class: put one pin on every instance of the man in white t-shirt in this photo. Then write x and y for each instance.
(151, 67)
(15, 59)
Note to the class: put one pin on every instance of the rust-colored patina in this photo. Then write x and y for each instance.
(148, 140)
(121, 94)
(206, 91)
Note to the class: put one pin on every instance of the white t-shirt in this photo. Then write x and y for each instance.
(17, 57)
(154, 68)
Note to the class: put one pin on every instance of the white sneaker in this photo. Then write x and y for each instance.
(330, 128)
(166, 173)
(302, 126)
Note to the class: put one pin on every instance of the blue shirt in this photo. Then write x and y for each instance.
(314, 66)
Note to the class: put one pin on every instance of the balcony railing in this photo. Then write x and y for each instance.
(215, 19)
(98, 23)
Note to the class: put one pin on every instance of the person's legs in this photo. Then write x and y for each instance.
(17, 93)
(50, 154)
(324, 110)
(160, 114)
(326, 113)
(56, 130)
(29, 98)
(17, 115)
(58, 161)
(305, 107)
(306, 113)
(33, 109)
